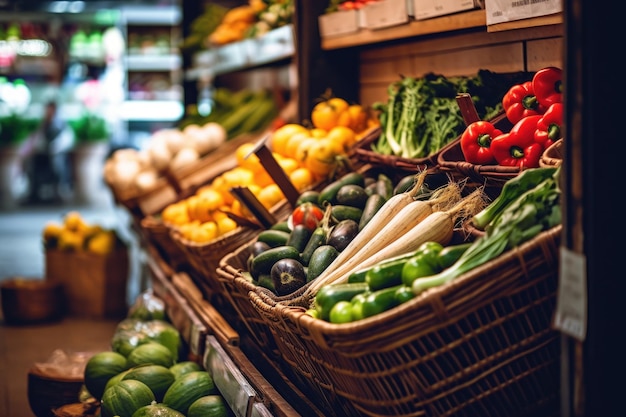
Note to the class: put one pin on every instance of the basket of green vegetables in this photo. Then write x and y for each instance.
(474, 338)
(421, 117)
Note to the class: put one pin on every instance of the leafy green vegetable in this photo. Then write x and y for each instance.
(421, 115)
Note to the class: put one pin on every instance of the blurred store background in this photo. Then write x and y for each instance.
(79, 79)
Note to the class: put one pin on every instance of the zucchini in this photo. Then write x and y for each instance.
(328, 194)
(299, 237)
(273, 238)
(372, 205)
(308, 196)
(283, 226)
(320, 259)
(329, 295)
(384, 186)
(405, 184)
(352, 195)
(341, 212)
(317, 239)
(385, 275)
(450, 254)
(262, 263)
(359, 275)
(380, 301)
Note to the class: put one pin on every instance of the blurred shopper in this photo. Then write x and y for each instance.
(46, 164)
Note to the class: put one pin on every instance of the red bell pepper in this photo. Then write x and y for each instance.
(548, 86)
(518, 147)
(476, 141)
(549, 126)
(520, 101)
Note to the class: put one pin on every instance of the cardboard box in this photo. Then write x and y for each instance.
(385, 13)
(94, 285)
(339, 23)
(426, 9)
(499, 11)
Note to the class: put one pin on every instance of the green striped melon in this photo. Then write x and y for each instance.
(157, 410)
(209, 406)
(150, 353)
(100, 368)
(125, 397)
(114, 380)
(181, 368)
(187, 389)
(157, 377)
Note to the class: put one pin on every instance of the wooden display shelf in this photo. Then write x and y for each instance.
(449, 23)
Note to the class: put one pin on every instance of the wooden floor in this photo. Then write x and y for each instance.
(21, 254)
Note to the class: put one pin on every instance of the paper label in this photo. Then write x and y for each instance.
(499, 11)
(571, 307)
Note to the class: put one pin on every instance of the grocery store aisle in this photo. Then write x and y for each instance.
(22, 255)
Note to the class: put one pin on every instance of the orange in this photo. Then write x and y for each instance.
(343, 135)
(292, 144)
(246, 159)
(281, 135)
(328, 114)
(301, 178)
(225, 225)
(270, 196)
(303, 150)
(288, 165)
(318, 133)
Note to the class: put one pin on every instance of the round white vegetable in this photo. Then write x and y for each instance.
(184, 157)
(146, 180)
(216, 133)
(125, 173)
(160, 156)
(125, 154)
(175, 140)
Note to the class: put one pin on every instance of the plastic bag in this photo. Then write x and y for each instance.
(147, 306)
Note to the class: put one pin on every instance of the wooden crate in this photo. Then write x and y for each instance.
(95, 285)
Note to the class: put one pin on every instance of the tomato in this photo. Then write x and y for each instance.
(327, 114)
(307, 214)
(322, 157)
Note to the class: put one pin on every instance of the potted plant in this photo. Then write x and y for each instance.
(91, 136)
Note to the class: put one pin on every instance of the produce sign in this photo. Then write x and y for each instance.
(536, 111)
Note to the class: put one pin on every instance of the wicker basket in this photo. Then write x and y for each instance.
(481, 345)
(451, 159)
(158, 234)
(553, 155)
(363, 153)
(205, 258)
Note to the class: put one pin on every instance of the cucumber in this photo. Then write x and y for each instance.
(273, 238)
(299, 237)
(352, 195)
(404, 185)
(262, 263)
(328, 194)
(380, 301)
(385, 275)
(317, 239)
(359, 275)
(320, 259)
(384, 186)
(265, 281)
(372, 205)
(450, 254)
(308, 196)
(284, 226)
(329, 295)
(341, 212)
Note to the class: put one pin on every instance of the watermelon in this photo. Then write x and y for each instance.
(181, 368)
(131, 333)
(100, 368)
(209, 406)
(151, 352)
(187, 389)
(157, 410)
(125, 397)
(114, 380)
(157, 377)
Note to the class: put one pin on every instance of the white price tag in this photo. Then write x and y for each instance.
(571, 303)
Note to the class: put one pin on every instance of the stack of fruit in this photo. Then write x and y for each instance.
(75, 234)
